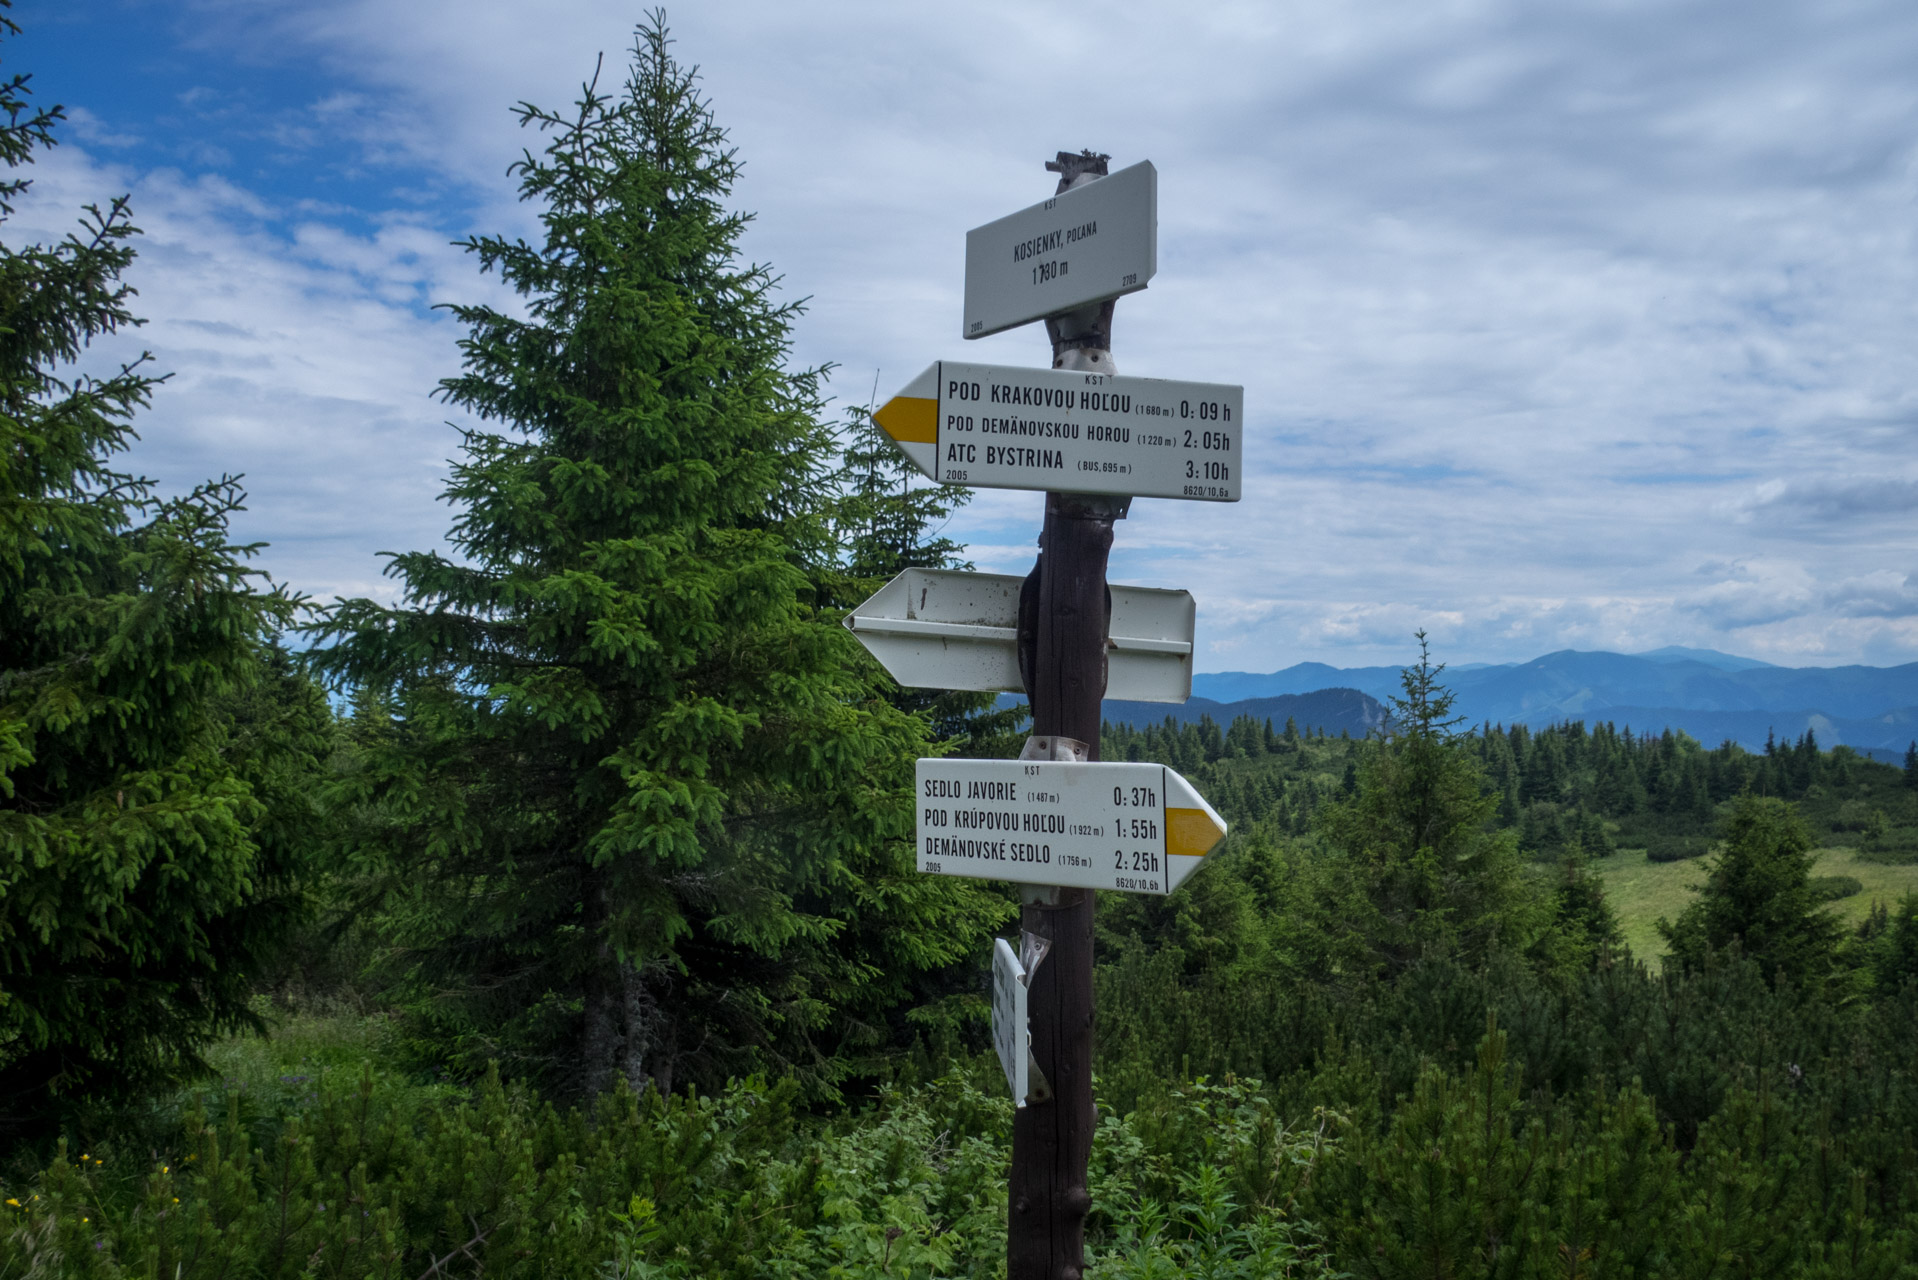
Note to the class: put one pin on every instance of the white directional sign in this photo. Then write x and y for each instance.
(1011, 1034)
(1136, 827)
(1094, 242)
(943, 629)
(1001, 427)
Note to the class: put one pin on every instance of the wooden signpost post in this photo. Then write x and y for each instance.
(1056, 821)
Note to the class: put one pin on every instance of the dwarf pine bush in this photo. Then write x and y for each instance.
(357, 1172)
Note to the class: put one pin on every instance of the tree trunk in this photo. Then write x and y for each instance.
(624, 1029)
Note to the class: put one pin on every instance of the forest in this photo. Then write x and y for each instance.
(557, 916)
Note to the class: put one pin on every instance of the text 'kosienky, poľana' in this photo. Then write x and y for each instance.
(1051, 240)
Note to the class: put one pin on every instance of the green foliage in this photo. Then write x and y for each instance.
(1474, 1179)
(1205, 1181)
(1424, 874)
(1584, 930)
(1888, 944)
(1677, 848)
(886, 517)
(1882, 843)
(1271, 1103)
(1667, 794)
(1467, 1183)
(1619, 1122)
(632, 806)
(1758, 896)
(1460, 1157)
(157, 755)
(1835, 888)
(620, 806)
(338, 1172)
(356, 1174)
(1856, 815)
(1547, 830)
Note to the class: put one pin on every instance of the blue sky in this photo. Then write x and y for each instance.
(1584, 325)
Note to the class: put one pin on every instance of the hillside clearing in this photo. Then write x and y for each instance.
(1641, 890)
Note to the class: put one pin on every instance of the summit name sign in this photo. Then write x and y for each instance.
(1094, 242)
(1002, 427)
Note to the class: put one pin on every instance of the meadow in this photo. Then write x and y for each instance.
(1642, 892)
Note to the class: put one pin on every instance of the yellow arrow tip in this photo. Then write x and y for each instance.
(909, 419)
(1191, 833)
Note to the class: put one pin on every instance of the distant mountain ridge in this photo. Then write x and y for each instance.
(1712, 696)
(1333, 710)
(1710, 657)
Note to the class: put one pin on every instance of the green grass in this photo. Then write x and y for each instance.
(1641, 891)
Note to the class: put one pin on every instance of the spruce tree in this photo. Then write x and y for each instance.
(640, 810)
(1757, 896)
(1427, 876)
(156, 757)
(1584, 930)
(1895, 951)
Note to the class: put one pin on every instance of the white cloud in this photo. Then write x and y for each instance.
(93, 131)
(1853, 500)
(305, 363)
(1538, 308)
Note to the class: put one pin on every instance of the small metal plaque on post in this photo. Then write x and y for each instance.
(1010, 1035)
(1097, 241)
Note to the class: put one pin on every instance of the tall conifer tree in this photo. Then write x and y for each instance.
(1757, 895)
(641, 806)
(1425, 874)
(154, 768)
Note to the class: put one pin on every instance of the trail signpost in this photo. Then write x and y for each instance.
(1139, 828)
(1056, 821)
(1001, 427)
